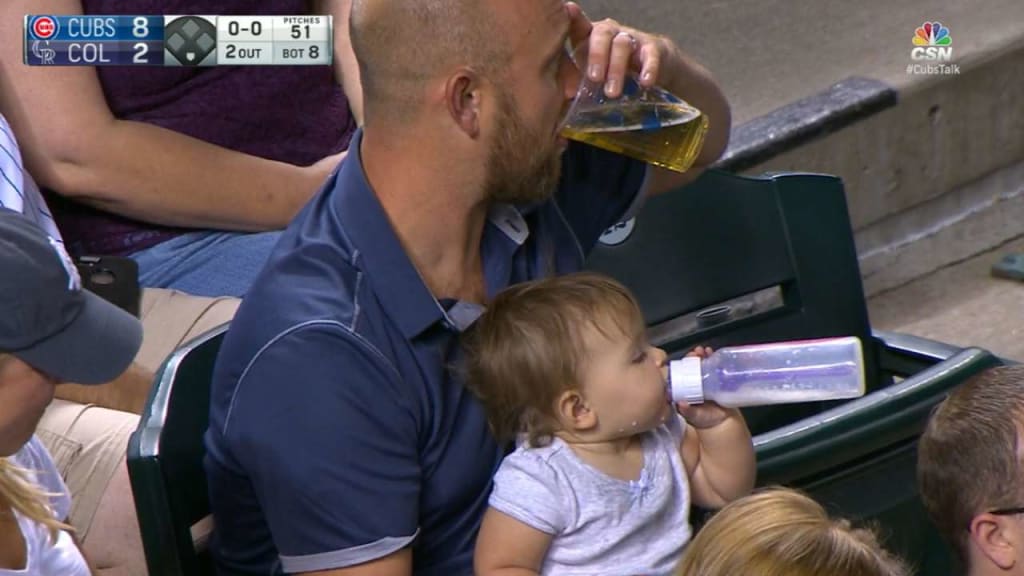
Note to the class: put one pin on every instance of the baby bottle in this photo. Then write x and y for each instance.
(777, 373)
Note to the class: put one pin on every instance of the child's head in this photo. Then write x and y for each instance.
(566, 355)
(969, 468)
(781, 532)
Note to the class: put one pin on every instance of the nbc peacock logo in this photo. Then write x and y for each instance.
(932, 41)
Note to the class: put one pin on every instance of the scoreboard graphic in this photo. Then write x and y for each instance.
(98, 40)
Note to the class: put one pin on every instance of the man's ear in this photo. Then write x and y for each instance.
(993, 537)
(464, 96)
(575, 413)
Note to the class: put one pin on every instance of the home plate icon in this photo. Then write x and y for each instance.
(189, 41)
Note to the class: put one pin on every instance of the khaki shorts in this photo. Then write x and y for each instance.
(171, 318)
(88, 443)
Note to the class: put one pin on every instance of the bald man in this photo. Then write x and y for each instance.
(341, 442)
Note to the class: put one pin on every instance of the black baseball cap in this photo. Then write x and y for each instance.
(47, 320)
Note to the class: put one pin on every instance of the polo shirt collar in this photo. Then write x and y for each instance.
(395, 279)
(510, 221)
(377, 249)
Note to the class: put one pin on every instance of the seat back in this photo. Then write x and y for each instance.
(734, 260)
(165, 461)
(859, 459)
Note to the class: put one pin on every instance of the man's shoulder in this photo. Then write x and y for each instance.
(313, 286)
(306, 320)
(313, 273)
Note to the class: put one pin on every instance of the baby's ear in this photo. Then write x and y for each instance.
(574, 411)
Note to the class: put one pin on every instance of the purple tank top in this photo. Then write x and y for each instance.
(294, 114)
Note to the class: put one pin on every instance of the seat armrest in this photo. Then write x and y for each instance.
(905, 354)
(849, 432)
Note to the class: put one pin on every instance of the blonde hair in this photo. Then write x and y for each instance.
(529, 347)
(20, 493)
(781, 532)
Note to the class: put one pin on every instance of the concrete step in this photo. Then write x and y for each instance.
(932, 168)
(934, 179)
(960, 304)
(769, 53)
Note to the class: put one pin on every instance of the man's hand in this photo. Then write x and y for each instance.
(615, 50)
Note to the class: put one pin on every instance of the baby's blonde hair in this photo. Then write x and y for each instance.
(781, 532)
(530, 346)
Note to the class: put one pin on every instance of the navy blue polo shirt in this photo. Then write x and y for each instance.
(339, 432)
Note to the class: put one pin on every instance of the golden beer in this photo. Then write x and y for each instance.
(666, 134)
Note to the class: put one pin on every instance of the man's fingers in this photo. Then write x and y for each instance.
(601, 38)
(615, 51)
(579, 25)
(623, 44)
(649, 64)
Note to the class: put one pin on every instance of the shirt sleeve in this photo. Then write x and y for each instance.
(598, 189)
(34, 458)
(527, 488)
(320, 427)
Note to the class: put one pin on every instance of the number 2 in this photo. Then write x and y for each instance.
(141, 49)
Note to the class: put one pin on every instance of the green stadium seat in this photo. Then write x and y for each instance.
(732, 260)
(859, 459)
(726, 260)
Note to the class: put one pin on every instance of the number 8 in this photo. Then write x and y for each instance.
(140, 27)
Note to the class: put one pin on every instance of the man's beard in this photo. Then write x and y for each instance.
(524, 166)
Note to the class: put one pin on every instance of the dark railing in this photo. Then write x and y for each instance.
(800, 122)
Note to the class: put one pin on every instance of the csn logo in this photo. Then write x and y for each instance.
(932, 42)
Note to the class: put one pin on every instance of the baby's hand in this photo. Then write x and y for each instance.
(700, 352)
(706, 415)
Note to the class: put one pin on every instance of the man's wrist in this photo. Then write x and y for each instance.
(677, 68)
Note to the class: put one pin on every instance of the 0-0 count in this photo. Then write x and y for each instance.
(256, 28)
